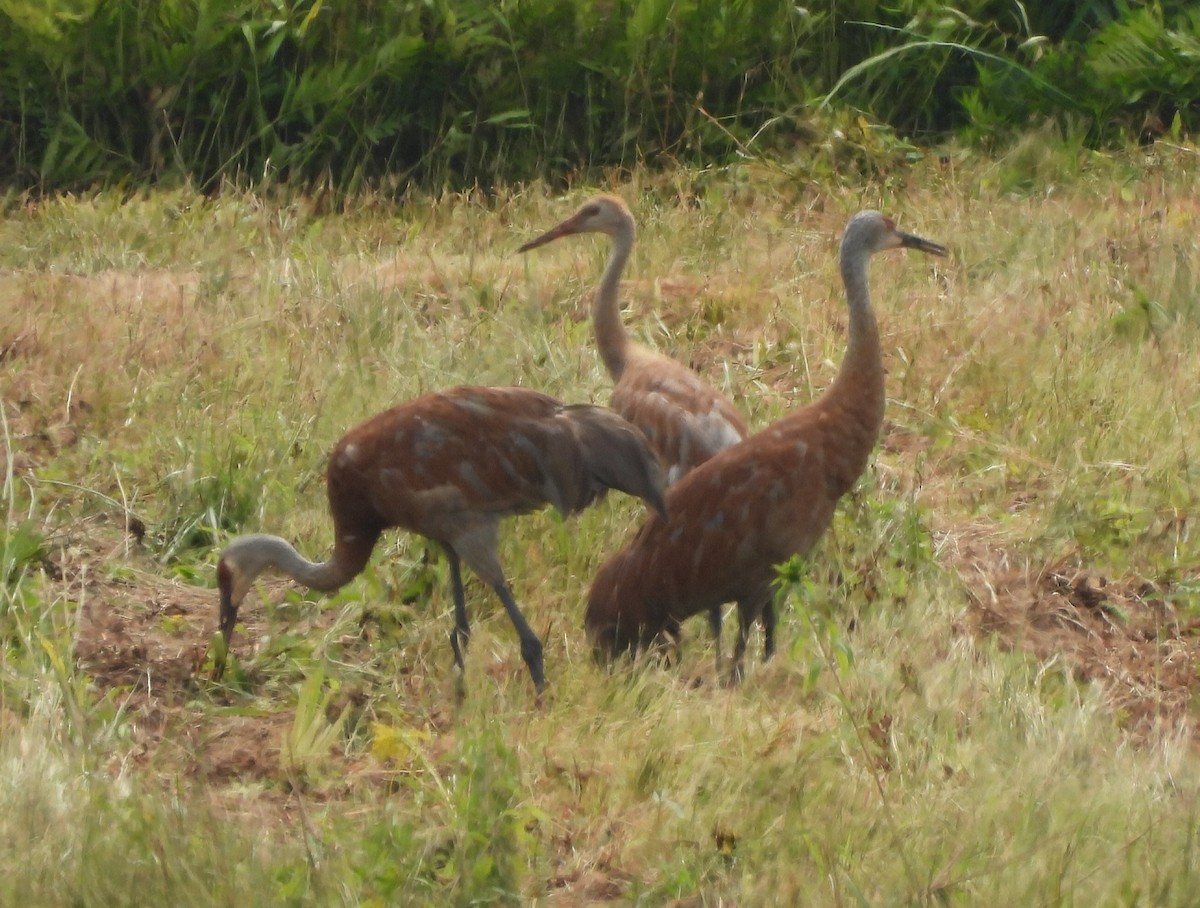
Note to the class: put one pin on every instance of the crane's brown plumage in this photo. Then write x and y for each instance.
(754, 505)
(684, 418)
(450, 466)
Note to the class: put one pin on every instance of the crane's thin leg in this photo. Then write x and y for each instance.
(478, 549)
(461, 635)
(531, 646)
(665, 646)
(768, 623)
(749, 611)
(745, 619)
(714, 622)
(674, 634)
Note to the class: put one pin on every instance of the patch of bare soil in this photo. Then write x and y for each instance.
(143, 642)
(1125, 634)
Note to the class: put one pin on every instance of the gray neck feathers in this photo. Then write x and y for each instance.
(611, 337)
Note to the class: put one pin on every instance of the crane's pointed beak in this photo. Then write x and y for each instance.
(566, 228)
(909, 241)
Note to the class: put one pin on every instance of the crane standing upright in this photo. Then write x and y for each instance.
(754, 505)
(685, 419)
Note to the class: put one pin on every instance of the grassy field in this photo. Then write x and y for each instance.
(983, 690)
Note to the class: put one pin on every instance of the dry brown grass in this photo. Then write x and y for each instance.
(1027, 518)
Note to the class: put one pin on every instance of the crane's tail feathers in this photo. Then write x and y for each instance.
(616, 454)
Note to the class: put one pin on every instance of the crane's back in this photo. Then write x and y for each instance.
(731, 521)
(684, 418)
(453, 460)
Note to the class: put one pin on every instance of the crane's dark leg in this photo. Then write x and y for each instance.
(531, 646)
(478, 549)
(461, 635)
(665, 645)
(746, 618)
(750, 609)
(714, 622)
(673, 633)
(768, 623)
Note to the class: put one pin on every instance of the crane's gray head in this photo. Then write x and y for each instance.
(233, 584)
(241, 562)
(605, 214)
(871, 232)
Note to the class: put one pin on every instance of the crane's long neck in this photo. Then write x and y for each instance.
(611, 337)
(248, 556)
(860, 379)
(325, 576)
(853, 405)
(261, 552)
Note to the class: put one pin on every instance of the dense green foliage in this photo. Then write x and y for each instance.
(462, 92)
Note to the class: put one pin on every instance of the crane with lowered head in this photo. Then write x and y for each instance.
(450, 466)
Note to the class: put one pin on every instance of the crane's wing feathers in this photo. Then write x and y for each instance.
(615, 454)
(685, 420)
(465, 456)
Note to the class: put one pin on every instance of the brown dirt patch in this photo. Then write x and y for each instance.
(1126, 634)
(143, 642)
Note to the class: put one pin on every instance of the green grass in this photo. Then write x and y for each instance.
(188, 362)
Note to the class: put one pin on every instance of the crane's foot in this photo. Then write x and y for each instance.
(459, 638)
(531, 652)
(736, 672)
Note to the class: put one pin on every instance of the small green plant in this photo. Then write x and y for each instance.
(1104, 527)
(1142, 319)
(823, 643)
(22, 546)
(485, 865)
(316, 729)
(387, 863)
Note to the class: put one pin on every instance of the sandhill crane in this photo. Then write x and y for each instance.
(685, 419)
(755, 505)
(450, 465)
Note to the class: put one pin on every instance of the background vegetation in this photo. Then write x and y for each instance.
(457, 93)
